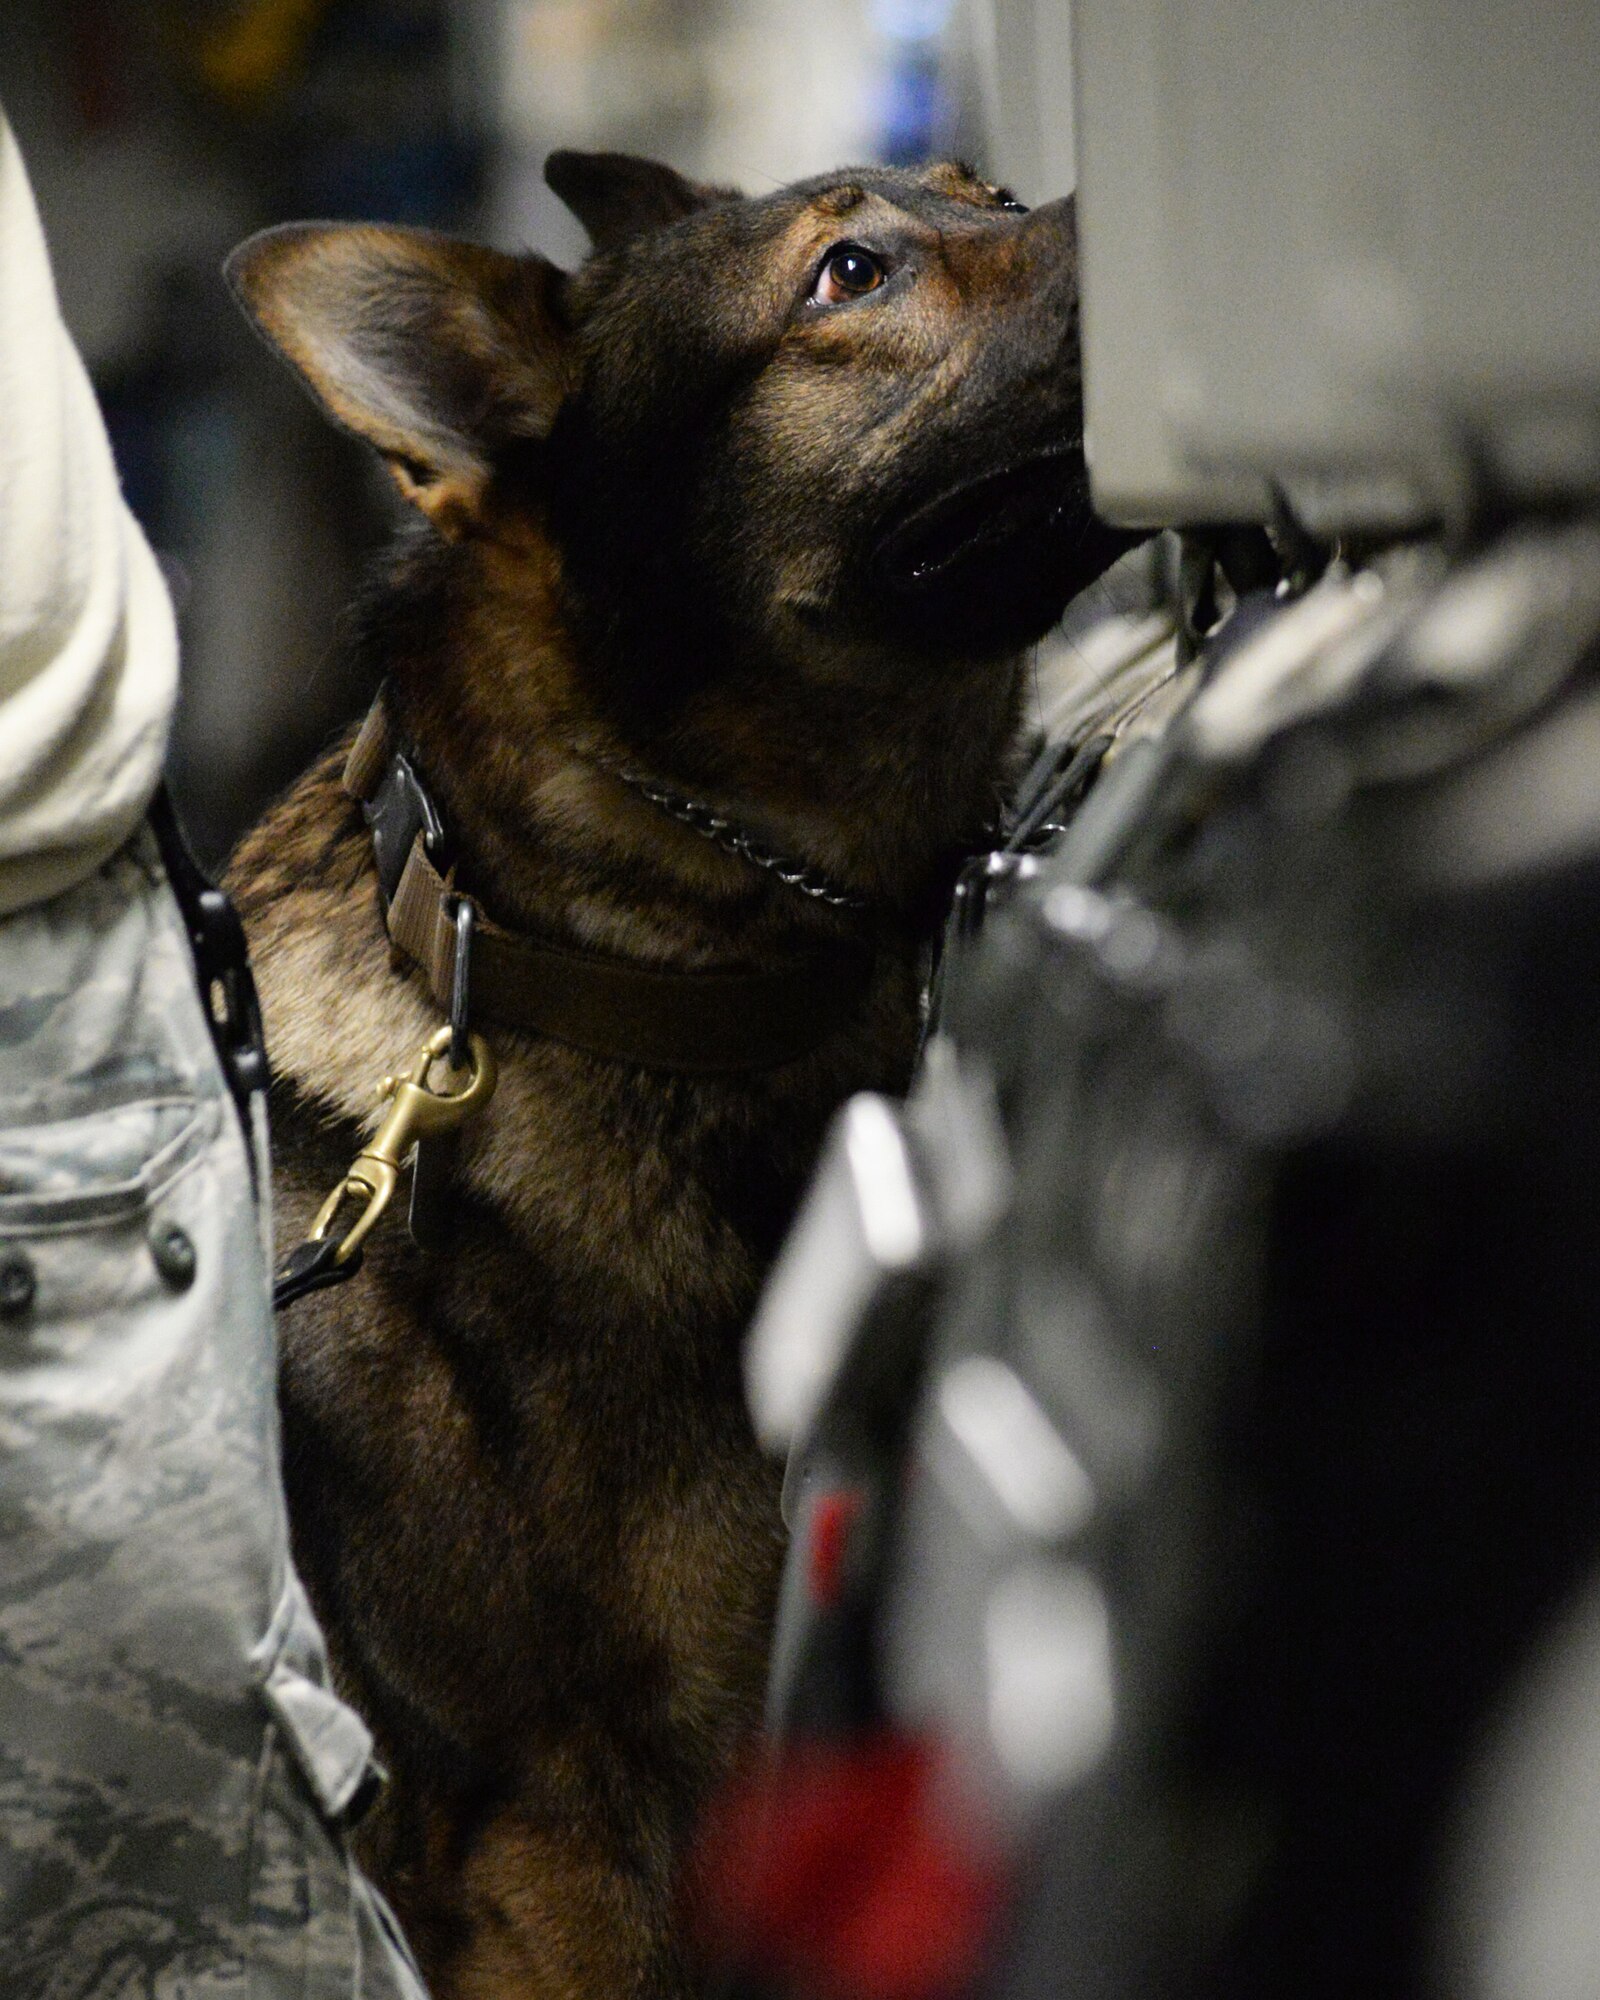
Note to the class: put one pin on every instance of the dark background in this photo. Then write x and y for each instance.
(158, 135)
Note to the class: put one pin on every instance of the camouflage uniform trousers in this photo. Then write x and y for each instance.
(174, 1768)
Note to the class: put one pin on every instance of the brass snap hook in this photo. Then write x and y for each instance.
(416, 1111)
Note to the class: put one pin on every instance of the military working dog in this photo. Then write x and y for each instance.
(706, 638)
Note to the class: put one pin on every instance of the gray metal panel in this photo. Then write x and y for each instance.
(1354, 253)
(1132, 274)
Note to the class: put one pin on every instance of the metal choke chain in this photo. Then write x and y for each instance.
(733, 839)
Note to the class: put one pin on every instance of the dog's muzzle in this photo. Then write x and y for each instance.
(1030, 504)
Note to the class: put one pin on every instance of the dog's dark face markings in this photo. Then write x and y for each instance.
(893, 354)
(831, 430)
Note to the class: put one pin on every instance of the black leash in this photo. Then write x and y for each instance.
(233, 1015)
(311, 1266)
(222, 966)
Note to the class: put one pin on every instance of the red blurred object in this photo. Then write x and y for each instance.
(833, 1515)
(833, 1872)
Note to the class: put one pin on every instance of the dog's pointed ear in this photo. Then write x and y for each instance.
(617, 196)
(437, 352)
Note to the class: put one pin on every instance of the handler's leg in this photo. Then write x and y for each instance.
(174, 1772)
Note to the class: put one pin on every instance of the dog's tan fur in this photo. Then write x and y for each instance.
(524, 1491)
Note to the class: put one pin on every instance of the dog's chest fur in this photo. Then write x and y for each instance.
(524, 1490)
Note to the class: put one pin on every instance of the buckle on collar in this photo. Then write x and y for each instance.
(398, 810)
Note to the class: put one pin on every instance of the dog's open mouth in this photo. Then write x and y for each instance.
(1023, 503)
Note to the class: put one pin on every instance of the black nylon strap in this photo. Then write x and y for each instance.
(222, 968)
(311, 1267)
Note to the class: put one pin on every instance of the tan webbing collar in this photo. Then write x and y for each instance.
(368, 754)
(696, 1022)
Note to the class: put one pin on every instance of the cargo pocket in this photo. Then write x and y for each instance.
(102, 1164)
(101, 1167)
(78, 1197)
(327, 1739)
(316, 1918)
(99, 1250)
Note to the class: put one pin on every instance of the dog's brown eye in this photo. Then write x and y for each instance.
(848, 272)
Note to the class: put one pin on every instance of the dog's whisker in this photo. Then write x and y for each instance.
(748, 172)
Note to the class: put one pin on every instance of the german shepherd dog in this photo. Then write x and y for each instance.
(765, 502)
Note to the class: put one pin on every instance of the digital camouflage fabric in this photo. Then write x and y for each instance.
(173, 1767)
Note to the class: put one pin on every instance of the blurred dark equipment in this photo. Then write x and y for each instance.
(1200, 1449)
(1190, 1392)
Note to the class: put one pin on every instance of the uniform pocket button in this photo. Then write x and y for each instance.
(17, 1284)
(174, 1255)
